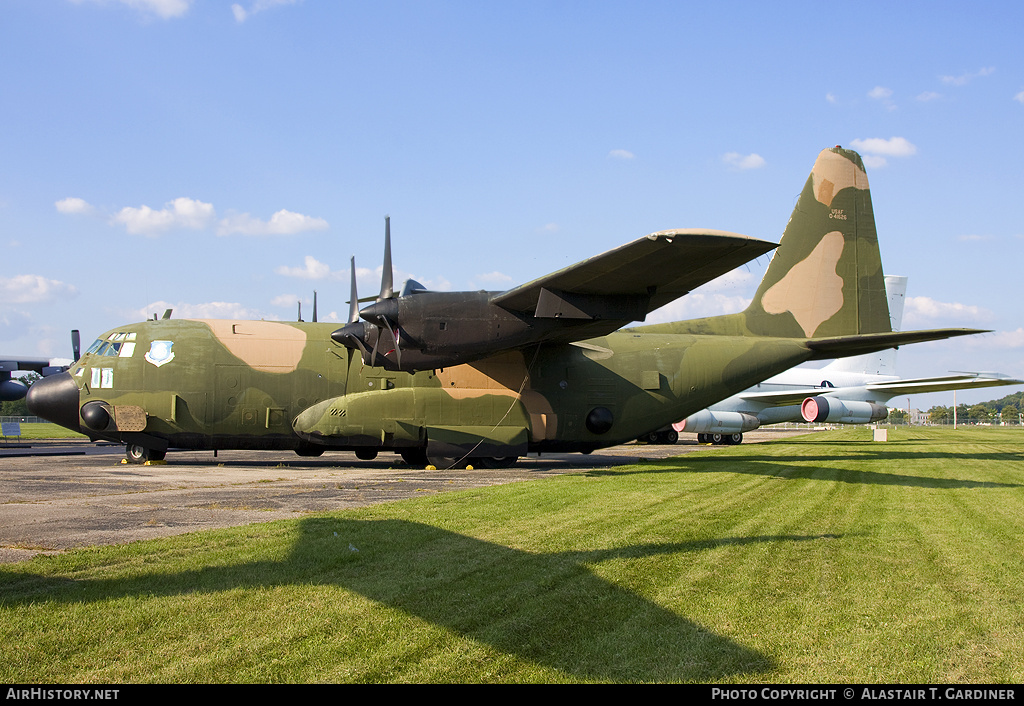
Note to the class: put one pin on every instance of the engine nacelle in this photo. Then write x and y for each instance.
(829, 409)
(706, 421)
(11, 390)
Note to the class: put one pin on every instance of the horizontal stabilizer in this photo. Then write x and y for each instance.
(841, 346)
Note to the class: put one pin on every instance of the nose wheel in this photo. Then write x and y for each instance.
(137, 453)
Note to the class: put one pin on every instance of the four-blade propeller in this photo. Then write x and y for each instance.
(374, 330)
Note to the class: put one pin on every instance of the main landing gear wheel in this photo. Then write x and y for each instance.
(735, 439)
(137, 453)
(660, 437)
(414, 457)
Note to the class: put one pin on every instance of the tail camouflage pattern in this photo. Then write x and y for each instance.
(826, 277)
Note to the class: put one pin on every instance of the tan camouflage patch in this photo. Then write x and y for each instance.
(499, 375)
(267, 346)
(832, 173)
(811, 290)
(505, 375)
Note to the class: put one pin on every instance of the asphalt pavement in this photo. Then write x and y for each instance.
(58, 495)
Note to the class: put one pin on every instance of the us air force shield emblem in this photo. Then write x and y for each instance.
(160, 352)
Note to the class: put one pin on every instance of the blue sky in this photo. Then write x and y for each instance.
(226, 159)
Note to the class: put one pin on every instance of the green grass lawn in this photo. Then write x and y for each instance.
(43, 430)
(825, 558)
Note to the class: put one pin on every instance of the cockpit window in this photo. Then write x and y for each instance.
(116, 344)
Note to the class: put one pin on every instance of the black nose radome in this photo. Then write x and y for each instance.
(55, 398)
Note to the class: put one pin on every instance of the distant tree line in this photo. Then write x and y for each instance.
(1006, 410)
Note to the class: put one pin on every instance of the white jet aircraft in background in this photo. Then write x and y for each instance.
(847, 391)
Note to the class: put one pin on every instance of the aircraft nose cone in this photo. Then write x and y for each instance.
(55, 398)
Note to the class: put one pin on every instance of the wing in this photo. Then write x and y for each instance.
(963, 381)
(11, 389)
(39, 365)
(882, 391)
(631, 281)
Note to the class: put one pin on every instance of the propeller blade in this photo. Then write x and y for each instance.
(353, 300)
(76, 344)
(300, 311)
(394, 337)
(387, 279)
(314, 306)
(373, 354)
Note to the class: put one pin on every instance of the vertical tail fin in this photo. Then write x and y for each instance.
(882, 362)
(826, 276)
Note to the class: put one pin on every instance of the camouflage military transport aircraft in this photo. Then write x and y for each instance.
(485, 377)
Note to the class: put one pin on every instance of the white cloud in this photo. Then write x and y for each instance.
(72, 205)
(241, 14)
(621, 154)
(999, 339)
(33, 289)
(830, 98)
(728, 294)
(191, 214)
(697, 305)
(875, 149)
(964, 79)
(180, 213)
(739, 161)
(205, 310)
(928, 96)
(285, 300)
(313, 269)
(1019, 97)
(550, 228)
(164, 9)
(281, 223)
(880, 93)
(491, 280)
(928, 309)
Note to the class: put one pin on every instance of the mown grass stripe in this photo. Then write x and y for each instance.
(826, 558)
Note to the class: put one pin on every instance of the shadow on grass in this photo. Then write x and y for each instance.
(548, 608)
(800, 466)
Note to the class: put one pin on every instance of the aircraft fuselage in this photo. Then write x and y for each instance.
(220, 384)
